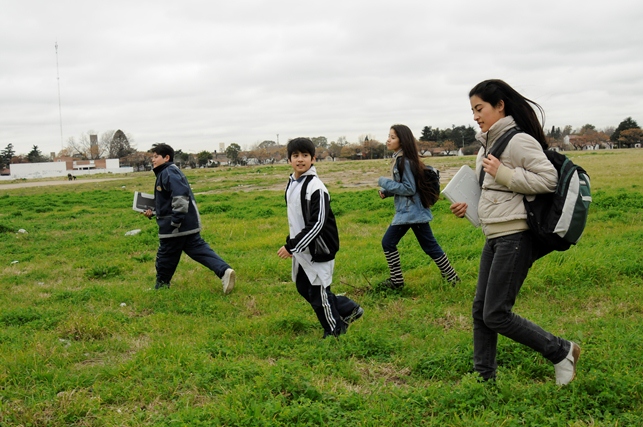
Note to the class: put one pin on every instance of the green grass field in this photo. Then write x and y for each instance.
(86, 341)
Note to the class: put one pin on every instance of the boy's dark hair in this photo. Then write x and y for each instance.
(301, 145)
(163, 150)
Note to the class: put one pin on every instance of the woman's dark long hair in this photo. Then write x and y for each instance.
(409, 147)
(517, 106)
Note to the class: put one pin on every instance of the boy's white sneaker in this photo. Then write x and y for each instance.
(228, 280)
(566, 369)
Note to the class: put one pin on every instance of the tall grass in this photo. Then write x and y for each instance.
(86, 341)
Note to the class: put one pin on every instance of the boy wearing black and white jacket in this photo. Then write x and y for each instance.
(179, 223)
(313, 241)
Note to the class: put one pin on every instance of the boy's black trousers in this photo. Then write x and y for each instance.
(329, 308)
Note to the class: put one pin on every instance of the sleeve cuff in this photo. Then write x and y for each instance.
(504, 175)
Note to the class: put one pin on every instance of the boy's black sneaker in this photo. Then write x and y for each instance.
(161, 285)
(356, 314)
(339, 331)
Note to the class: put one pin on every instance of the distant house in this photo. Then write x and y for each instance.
(220, 158)
(74, 163)
(437, 151)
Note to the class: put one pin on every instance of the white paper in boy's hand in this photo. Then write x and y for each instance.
(464, 187)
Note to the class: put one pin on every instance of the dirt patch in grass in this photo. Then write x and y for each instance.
(346, 178)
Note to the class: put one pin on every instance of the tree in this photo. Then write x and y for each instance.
(85, 148)
(243, 157)
(630, 137)
(65, 152)
(426, 146)
(624, 125)
(588, 136)
(552, 142)
(334, 150)
(587, 128)
(373, 149)
(116, 143)
(352, 151)
(428, 134)
(192, 160)
(139, 160)
(609, 130)
(181, 158)
(203, 157)
(460, 136)
(276, 153)
(6, 155)
(365, 138)
(35, 156)
(449, 146)
(320, 141)
(555, 133)
(259, 154)
(232, 152)
(266, 144)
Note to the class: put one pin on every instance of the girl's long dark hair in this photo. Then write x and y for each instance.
(517, 106)
(409, 147)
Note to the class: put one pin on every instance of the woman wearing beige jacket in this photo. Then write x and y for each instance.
(509, 251)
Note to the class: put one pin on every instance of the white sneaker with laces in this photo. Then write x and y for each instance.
(566, 368)
(228, 280)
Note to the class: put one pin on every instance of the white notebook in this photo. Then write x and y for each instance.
(143, 202)
(464, 187)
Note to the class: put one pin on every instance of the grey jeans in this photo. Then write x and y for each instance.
(504, 264)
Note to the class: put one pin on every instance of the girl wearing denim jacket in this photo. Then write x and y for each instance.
(411, 208)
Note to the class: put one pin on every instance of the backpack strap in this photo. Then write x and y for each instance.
(499, 147)
(304, 188)
(398, 163)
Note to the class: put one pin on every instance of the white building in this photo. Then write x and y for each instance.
(63, 168)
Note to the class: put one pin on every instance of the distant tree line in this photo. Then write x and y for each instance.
(8, 156)
(432, 141)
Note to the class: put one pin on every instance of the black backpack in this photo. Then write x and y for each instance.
(559, 218)
(432, 177)
(324, 247)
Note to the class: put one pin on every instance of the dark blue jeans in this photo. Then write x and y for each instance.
(171, 248)
(504, 264)
(423, 234)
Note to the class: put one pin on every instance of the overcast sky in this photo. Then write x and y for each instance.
(194, 74)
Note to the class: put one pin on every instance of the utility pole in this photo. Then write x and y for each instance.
(60, 113)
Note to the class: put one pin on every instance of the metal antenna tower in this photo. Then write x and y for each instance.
(60, 113)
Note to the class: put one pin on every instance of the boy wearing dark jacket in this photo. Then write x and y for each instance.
(179, 223)
(313, 241)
